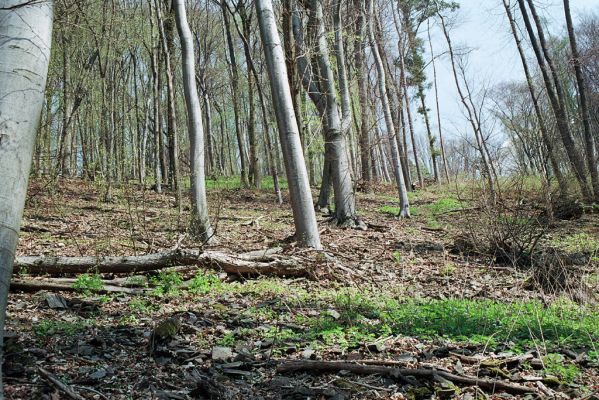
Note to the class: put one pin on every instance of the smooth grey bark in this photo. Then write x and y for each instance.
(25, 39)
(200, 223)
(297, 176)
(404, 204)
(323, 93)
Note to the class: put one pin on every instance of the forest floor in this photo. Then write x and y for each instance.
(421, 293)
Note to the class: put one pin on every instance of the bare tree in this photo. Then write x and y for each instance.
(404, 204)
(200, 223)
(304, 215)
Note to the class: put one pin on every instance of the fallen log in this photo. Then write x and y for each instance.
(402, 373)
(35, 285)
(264, 262)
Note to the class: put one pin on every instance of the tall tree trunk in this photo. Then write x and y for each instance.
(297, 176)
(404, 204)
(157, 127)
(423, 110)
(345, 204)
(582, 97)
(165, 29)
(555, 94)
(200, 223)
(441, 141)
(360, 56)
(25, 39)
(254, 167)
(548, 142)
(234, 70)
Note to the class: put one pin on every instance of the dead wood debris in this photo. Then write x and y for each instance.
(402, 374)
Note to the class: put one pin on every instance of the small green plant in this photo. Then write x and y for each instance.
(137, 281)
(448, 269)
(167, 283)
(556, 365)
(397, 256)
(204, 283)
(88, 283)
(48, 328)
(227, 340)
(141, 306)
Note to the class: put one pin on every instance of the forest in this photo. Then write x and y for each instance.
(299, 199)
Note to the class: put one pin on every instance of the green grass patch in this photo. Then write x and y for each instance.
(88, 283)
(475, 321)
(48, 327)
(234, 182)
(578, 243)
(204, 283)
(445, 205)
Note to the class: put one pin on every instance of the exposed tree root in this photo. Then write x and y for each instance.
(255, 263)
(402, 374)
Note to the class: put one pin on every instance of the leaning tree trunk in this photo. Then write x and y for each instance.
(404, 204)
(297, 176)
(25, 38)
(562, 182)
(582, 97)
(555, 93)
(200, 223)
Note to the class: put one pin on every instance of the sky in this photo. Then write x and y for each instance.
(483, 27)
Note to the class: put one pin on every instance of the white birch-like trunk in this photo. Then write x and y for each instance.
(404, 204)
(25, 38)
(304, 215)
(200, 223)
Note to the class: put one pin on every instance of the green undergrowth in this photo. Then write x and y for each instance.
(429, 212)
(347, 318)
(234, 182)
(578, 243)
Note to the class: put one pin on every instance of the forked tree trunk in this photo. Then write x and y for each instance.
(304, 216)
(200, 223)
(335, 123)
(25, 38)
(404, 204)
